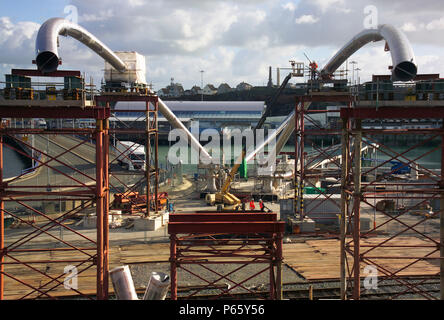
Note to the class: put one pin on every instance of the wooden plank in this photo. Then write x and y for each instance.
(323, 261)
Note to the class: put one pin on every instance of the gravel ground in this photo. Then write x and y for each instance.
(142, 272)
(291, 282)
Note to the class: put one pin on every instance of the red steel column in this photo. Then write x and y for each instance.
(279, 258)
(273, 279)
(173, 266)
(99, 208)
(2, 222)
(106, 208)
(147, 159)
(302, 115)
(356, 212)
(344, 207)
(296, 159)
(441, 218)
(156, 157)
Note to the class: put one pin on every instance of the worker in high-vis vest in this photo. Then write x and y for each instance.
(261, 205)
(252, 206)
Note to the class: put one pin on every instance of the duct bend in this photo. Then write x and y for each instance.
(47, 59)
(403, 59)
(47, 56)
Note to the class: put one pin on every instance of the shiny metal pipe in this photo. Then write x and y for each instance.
(47, 59)
(403, 58)
(46, 46)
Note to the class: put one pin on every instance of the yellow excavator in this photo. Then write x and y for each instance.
(224, 196)
(229, 200)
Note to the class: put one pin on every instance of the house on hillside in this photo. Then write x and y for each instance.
(196, 90)
(176, 89)
(209, 90)
(164, 92)
(224, 88)
(243, 86)
(171, 91)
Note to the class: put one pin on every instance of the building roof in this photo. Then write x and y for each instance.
(210, 86)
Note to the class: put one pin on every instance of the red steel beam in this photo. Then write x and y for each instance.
(418, 77)
(328, 98)
(38, 73)
(123, 97)
(393, 113)
(221, 217)
(226, 227)
(55, 112)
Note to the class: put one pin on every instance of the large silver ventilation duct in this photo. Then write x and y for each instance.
(404, 65)
(177, 124)
(271, 137)
(47, 56)
(282, 133)
(47, 59)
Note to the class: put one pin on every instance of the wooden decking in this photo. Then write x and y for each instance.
(86, 279)
(319, 259)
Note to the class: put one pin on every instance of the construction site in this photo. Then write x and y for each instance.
(348, 204)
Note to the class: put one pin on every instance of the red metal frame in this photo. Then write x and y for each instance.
(363, 193)
(151, 137)
(304, 162)
(90, 190)
(206, 239)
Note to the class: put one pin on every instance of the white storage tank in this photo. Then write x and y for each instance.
(136, 68)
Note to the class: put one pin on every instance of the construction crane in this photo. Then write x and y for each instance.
(224, 196)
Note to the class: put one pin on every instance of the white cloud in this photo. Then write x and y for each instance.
(306, 19)
(17, 41)
(324, 5)
(408, 27)
(290, 6)
(435, 24)
(101, 16)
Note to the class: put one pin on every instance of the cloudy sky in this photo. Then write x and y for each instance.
(231, 40)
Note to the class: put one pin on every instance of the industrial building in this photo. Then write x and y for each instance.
(210, 114)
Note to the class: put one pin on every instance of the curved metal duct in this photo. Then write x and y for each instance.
(404, 65)
(47, 59)
(47, 56)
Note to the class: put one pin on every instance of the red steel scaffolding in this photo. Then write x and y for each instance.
(201, 242)
(405, 240)
(121, 180)
(41, 260)
(319, 163)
